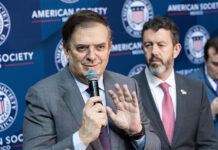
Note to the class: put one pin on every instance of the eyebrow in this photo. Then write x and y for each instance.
(153, 42)
(215, 63)
(89, 45)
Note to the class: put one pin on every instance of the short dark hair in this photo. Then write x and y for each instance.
(213, 42)
(163, 22)
(84, 18)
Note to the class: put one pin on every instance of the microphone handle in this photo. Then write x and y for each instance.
(93, 89)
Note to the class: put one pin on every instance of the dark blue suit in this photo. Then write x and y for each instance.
(211, 93)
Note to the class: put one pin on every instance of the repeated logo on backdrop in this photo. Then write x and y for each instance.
(131, 48)
(134, 14)
(194, 42)
(192, 9)
(8, 107)
(5, 24)
(60, 57)
(60, 14)
(16, 59)
(136, 69)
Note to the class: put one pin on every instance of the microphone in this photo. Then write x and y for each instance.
(92, 77)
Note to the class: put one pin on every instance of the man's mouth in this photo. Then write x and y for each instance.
(156, 61)
(90, 66)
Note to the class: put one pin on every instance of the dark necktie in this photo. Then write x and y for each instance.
(216, 81)
(168, 119)
(104, 136)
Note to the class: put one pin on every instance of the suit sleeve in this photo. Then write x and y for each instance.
(152, 140)
(206, 138)
(39, 126)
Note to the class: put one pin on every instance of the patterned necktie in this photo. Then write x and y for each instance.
(104, 136)
(168, 118)
(216, 87)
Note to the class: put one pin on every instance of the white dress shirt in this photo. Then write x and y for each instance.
(212, 82)
(158, 93)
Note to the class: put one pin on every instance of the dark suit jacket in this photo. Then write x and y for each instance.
(194, 127)
(54, 113)
(211, 93)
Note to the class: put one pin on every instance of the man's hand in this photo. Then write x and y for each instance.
(127, 116)
(93, 118)
(214, 106)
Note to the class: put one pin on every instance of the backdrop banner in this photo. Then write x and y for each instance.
(31, 45)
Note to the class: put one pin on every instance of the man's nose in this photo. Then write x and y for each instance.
(155, 50)
(91, 55)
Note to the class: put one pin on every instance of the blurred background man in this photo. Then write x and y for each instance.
(209, 75)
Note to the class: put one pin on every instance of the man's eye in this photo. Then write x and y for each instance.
(100, 47)
(147, 45)
(161, 45)
(215, 63)
(82, 48)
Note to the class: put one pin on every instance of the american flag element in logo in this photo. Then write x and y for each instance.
(2, 104)
(137, 14)
(197, 43)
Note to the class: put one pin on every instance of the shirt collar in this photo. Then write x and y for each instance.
(212, 82)
(154, 81)
(83, 87)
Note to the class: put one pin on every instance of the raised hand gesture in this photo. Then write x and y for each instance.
(127, 116)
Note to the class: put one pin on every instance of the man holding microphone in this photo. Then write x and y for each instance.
(61, 114)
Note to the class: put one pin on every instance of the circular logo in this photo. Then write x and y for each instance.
(134, 14)
(194, 42)
(8, 107)
(5, 24)
(136, 69)
(69, 1)
(60, 57)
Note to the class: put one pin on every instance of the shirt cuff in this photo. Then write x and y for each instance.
(77, 143)
(140, 143)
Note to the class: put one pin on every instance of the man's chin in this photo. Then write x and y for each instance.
(156, 70)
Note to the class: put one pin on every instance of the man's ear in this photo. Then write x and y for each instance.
(66, 51)
(176, 50)
(110, 46)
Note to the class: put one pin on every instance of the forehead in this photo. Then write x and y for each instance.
(159, 35)
(92, 34)
(213, 54)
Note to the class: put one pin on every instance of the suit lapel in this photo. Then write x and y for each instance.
(109, 85)
(181, 93)
(72, 96)
(150, 107)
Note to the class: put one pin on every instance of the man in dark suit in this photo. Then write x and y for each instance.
(208, 74)
(60, 113)
(177, 106)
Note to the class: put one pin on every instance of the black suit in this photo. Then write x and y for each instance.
(194, 127)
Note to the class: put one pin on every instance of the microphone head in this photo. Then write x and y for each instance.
(92, 75)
